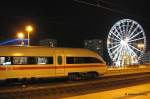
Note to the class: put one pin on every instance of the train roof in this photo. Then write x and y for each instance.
(45, 51)
(41, 49)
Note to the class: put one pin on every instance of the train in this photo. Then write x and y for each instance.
(20, 62)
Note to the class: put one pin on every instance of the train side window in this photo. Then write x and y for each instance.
(41, 60)
(32, 60)
(19, 60)
(50, 60)
(45, 60)
(5, 60)
(70, 60)
(2, 60)
(8, 61)
(82, 60)
(92, 60)
(59, 59)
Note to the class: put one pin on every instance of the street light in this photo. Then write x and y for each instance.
(29, 29)
(21, 36)
(141, 47)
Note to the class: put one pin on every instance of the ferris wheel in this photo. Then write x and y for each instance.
(126, 42)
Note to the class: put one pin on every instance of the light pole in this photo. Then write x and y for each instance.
(21, 36)
(29, 29)
(141, 47)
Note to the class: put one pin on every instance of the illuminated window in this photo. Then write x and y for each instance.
(5, 60)
(19, 60)
(41, 60)
(45, 60)
(2, 60)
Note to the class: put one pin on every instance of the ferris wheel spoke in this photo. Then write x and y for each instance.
(115, 35)
(117, 31)
(136, 39)
(130, 35)
(117, 54)
(116, 50)
(131, 52)
(135, 35)
(114, 46)
(114, 43)
(115, 39)
(135, 48)
(127, 28)
(123, 26)
(120, 30)
(131, 27)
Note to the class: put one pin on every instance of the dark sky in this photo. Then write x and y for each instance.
(70, 21)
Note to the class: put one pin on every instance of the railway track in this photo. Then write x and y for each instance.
(71, 88)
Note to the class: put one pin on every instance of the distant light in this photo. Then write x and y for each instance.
(20, 35)
(140, 45)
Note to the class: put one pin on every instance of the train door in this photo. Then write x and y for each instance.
(60, 67)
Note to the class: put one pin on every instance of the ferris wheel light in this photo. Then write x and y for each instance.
(122, 42)
(140, 45)
(108, 41)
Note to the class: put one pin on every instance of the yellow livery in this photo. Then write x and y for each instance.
(37, 62)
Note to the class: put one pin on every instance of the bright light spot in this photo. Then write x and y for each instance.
(124, 42)
(140, 45)
(29, 28)
(108, 41)
(17, 54)
(20, 35)
(127, 40)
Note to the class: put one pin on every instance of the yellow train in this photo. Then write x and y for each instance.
(38, 62)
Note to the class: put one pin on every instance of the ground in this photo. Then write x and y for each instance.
(134, 92)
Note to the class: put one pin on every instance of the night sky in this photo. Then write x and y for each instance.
(70, 21)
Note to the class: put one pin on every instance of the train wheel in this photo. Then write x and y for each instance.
(74, 76)
(92, 75)
(24, 80)
(33, 79)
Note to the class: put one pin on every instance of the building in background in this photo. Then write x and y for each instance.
(146, 58)
(95, 45)
(48, 42)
